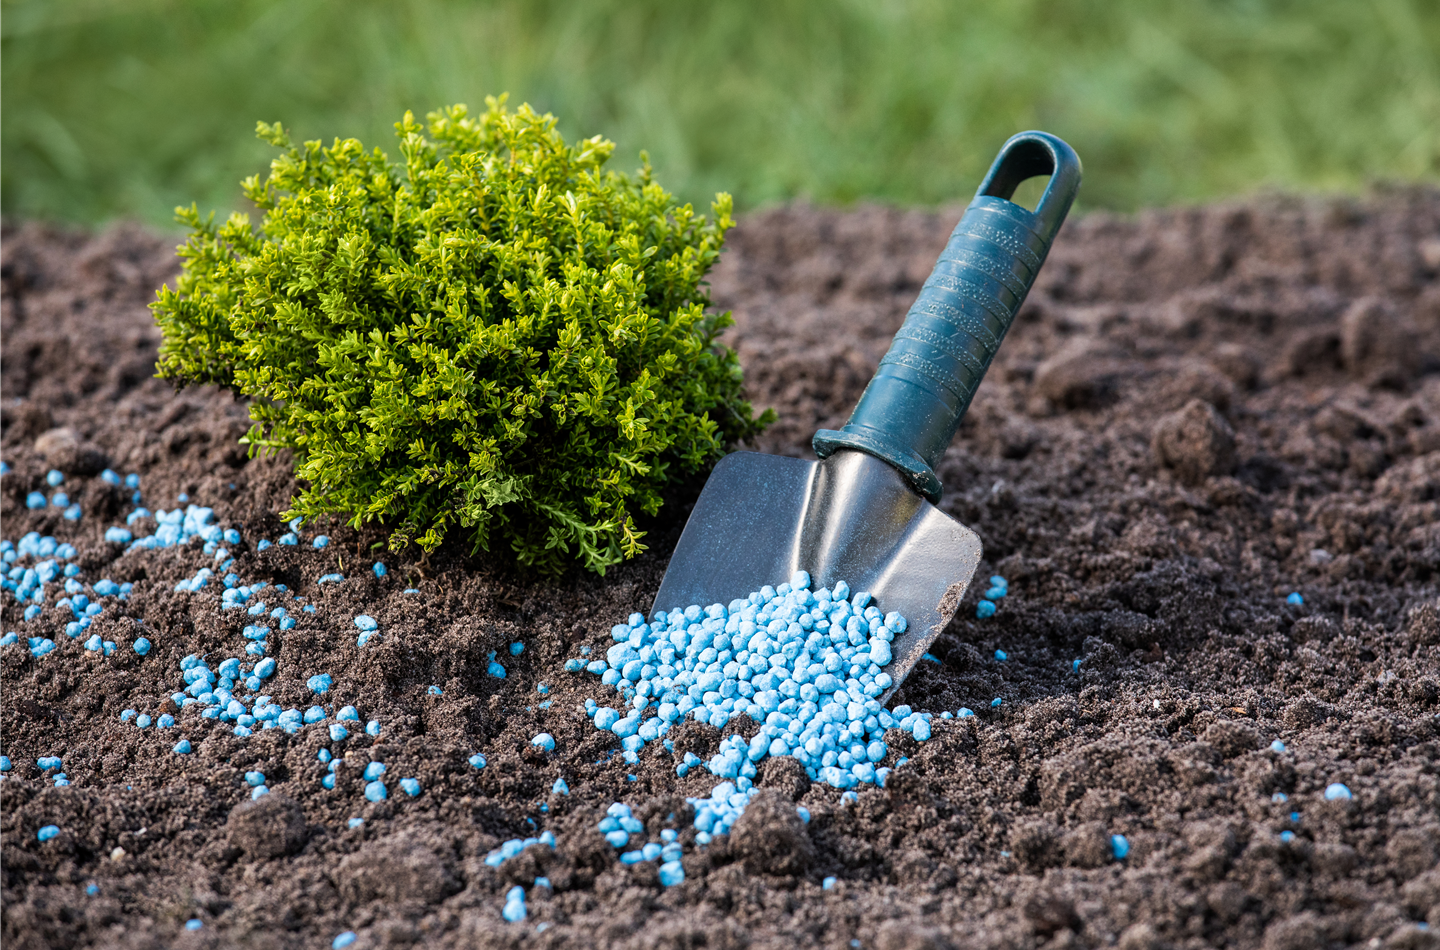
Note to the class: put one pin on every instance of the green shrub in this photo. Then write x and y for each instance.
(499, 336)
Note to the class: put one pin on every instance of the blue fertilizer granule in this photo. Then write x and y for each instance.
(259, 791)
(320, 541)
(514, 846)
(1119, 846)
(5, 765)
(544, 741)
(338, 733)
(372, 728)
(182, 747)
(194, 923)
(514, 910)
(354, 823)
(379, 569)
(319, 683)
(373, 771)
(142, 646)
(92, 889)
(1295, 599)
(47, 832)
(1277, 746)
(477, 761)
(375, 791)
(1337, 792)
(53, 478)
(343, 940)
(435, 691)
(560, 787)
(828, 883)
(984, 610)
(410, 786)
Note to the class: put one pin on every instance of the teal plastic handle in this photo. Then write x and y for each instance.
(913, 405)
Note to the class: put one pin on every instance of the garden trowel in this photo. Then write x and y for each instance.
(866, 513)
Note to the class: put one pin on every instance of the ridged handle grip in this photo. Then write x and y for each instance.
(913, 405)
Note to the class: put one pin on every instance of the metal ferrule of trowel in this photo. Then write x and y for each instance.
(866, 513)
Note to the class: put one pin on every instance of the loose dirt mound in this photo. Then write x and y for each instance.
(1197, 413)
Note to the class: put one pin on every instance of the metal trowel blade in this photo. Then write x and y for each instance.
(849, 517)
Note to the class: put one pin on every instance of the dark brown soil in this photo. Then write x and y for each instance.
(1198, 412)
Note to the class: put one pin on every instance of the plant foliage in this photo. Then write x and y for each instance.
(497, 336)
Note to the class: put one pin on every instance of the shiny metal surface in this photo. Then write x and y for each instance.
(850, 517)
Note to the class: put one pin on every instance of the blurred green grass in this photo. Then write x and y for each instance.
(130, 107)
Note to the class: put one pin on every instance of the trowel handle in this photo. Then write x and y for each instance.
(912, 407)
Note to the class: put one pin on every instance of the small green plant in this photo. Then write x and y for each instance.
(498, 336)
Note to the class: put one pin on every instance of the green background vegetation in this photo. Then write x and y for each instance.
(130, 107)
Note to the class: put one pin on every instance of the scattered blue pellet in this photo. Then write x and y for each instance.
(1277, 746)
(477, 761)
(828, 883)
(254, 779)
(338, 733)
(330, 579)
(320, 541)
(354, 823)
(110, 477)
(183, 747)
(366, 622)
(194, 923)
(435, 691)
(410, 786)
(372, 728)
(259, 791)
(1075, 665)
(5, 765)
(375, 791)
(544, 741)
(142, 646)
(514, 910)
(672, 873)
(1119, 846)
(53, 478)
(1295, 599)
(92, 889)
(495, 669)
(995, 703)
(319, 683)
(342, 940)
(560, 787)
(47, 832)
(379, 569)
(118, 535)
(1001, 655)
(984, 609)
(1279, 798)
(516, 649)
(36, 500)
(1335, 791)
